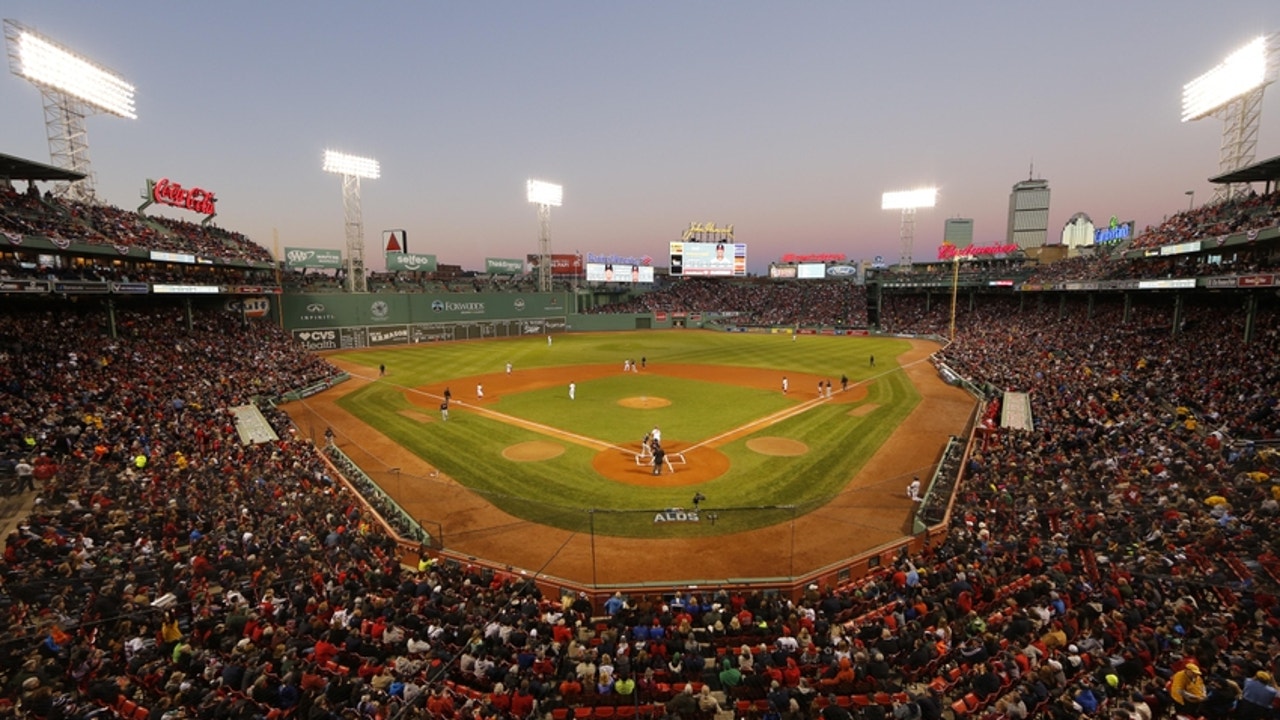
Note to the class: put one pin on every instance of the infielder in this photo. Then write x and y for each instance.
(572, 389)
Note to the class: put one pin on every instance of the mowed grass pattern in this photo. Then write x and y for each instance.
(560, 491)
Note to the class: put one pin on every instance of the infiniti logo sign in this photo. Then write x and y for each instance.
(315, 308)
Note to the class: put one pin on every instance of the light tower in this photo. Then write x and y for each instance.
(352, 168)
(907, 201)
(546, 196)
(1232, 91)
(73, 88)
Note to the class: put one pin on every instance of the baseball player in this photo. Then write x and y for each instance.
(784, 385)
(572, 389)
(508, 368)
(479, 391)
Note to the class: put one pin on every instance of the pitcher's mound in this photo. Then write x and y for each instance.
(785, 447)
(644, 403)
(533, 451)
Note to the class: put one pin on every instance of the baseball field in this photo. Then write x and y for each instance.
(522, 473)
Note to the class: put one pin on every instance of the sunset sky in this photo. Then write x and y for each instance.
(785, 119)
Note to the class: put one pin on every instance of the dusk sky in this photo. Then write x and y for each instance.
(785, 119)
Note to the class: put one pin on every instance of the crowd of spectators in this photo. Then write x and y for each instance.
(45, 215)
(838, 303)
(1118, 561)
(1240, 214)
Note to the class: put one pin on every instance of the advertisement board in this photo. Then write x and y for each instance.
(296, 257)
(503, 266)
(611, 272)
(811, 271)
(709, 259)
(782, 271)
(564, 265)
(413, 262)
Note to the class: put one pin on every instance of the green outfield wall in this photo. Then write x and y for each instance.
(336, 321)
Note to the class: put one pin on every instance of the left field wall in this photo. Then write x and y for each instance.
(336, 321)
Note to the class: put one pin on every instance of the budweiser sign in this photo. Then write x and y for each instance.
(195, 199)
(948, 251)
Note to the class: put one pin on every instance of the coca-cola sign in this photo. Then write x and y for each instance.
(195, 199)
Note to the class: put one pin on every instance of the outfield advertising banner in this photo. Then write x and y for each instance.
(412, 262)
(563, 265)
(612, 272)
(503, 266)
(296, 257)
(325, 310)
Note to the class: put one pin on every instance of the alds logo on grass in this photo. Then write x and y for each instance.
(676, 515)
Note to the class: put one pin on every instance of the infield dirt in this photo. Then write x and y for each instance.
(873, 510)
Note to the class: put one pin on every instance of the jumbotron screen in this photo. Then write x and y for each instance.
(709, 259)
(615, 272)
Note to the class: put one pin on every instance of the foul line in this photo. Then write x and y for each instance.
(583, 440)
(790, 412)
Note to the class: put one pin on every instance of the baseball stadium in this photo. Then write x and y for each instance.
(1014, 482)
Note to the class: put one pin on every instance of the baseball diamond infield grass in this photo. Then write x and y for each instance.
(758, 489)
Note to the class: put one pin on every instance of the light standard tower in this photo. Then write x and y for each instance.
(1232, 91)
(546, 196)
(352, 168)
(907, 201)
(73, 88)
(955, 284)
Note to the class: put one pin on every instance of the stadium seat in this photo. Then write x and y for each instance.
(141, 713)
(960, 709)
(602, 712)
(560, 714)
(626, 711)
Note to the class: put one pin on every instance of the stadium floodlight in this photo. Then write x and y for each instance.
(1242, 71)
(1233, 91)
(545, 193)
(908, 201)
(344, 164)
(352, 168)
(546, 196)
(73, 87)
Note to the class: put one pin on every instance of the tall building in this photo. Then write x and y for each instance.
(958, 232)
(1029, 214)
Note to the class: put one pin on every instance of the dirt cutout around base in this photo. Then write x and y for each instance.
(863, 410)
(415, 415)
(778, 446)
(700, 464)
(644, 403)
(533, 451)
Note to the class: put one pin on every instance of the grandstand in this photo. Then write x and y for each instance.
(163, 568)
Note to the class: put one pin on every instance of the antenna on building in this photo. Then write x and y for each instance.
(1031, 172)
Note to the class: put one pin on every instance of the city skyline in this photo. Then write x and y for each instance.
(786, 121)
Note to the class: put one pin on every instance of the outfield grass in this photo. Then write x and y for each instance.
(559, 491)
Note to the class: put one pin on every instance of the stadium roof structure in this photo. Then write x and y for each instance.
(1264, 171)
(16, 168)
